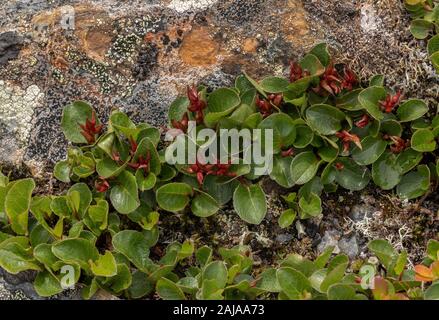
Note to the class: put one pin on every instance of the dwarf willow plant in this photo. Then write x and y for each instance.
(328, 132)
(328, 277)
(425, 24)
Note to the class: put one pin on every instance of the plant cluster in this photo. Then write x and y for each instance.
(425, 14)
(329, 131)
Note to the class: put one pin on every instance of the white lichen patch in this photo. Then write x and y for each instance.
(16, 110)
(370, 21)
(185, 5)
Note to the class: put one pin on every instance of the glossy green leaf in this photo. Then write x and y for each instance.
(372, 149)
(124, 195)
(324, 119)
(250, 203)
(133, 245)
(414, 184)
(174, 196)
(411, 110)
(304, 167)
(17, 203)
(369, 98)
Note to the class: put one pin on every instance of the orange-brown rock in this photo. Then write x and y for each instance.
(198, 48)
(250, 45)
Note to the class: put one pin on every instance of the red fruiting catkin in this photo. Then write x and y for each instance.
(349, 79)
(196, 104)
(90, 129)
(329, 81)
(296, 72)
(346, 138)
(202, 170)
(339, 166)
(182, 124)
(287, 153)
(101, 185)
(391, 102)
(363, 122)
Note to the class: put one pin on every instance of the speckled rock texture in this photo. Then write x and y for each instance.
(139, 55)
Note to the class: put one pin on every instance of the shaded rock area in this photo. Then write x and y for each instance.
(139, 55)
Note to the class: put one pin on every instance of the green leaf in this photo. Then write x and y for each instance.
(423, 140)
(268, 281)
(435, 60)
(420, 28)
(433, 45)
(105, 266)
(222, 193)
(414, 184)
(73, 115)
(107, 168)
(433, 249)
(133, 245)
(408, 159)
(79, 196)
(62, 171)
(99, 214)
(432, 293)
(352, 176)
(79, 251)
(312, 64)
(323, 258)
(140, 286)
(274, 84)
(324, 119)
(203, 255)
(287, 218)
(124, 195)
(341, 291)
(386, 173)
(304, 167)
(383, 250)
(304, 136)
(46, 284)
(17, 203)
(220, 104)
(217, 272)
(123, 124)
(391, 128)
(43, 253)
(349, 100)
(168, 290)
(311, 206)
(373, 148)
(174, 197)
(250, 203)
(14, 258)
(177, 109)
(377, 81)
(284, 131)
(322, 53)
(281, 172)
(370, 97)
(119, 282)
(293, 283)
(334, 276)
(411, 110)
(203, 205)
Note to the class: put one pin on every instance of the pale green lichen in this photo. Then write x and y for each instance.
(16, 110)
